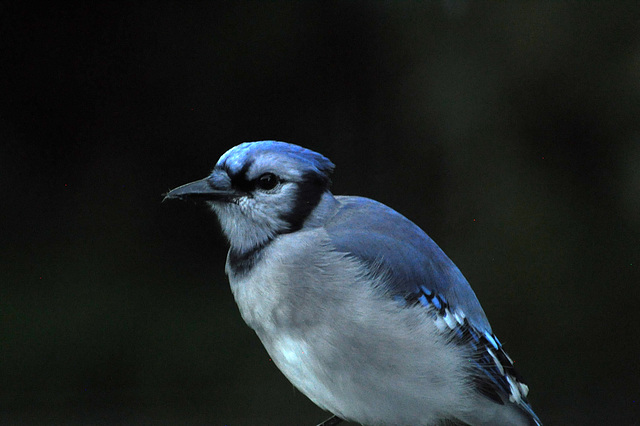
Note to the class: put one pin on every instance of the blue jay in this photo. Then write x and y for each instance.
(354, 303)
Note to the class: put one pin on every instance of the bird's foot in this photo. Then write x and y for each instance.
(331, 421)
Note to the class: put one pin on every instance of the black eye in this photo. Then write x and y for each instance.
(267, 181)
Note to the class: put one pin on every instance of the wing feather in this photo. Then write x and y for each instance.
(380, 236)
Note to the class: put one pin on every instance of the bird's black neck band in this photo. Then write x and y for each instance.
(241, 262)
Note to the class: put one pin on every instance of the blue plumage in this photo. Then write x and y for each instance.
(376, 234)
(243, 155)
(357, 306)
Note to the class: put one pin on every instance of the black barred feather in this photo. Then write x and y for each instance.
(493, 373)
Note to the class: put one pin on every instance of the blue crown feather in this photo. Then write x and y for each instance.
(239, 156)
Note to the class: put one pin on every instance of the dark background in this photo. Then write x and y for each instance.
(509, 132)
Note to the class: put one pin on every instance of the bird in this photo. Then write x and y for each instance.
(354, 303)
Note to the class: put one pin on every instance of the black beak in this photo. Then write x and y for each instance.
(201, 190)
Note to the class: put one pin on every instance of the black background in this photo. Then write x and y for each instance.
(510, 132)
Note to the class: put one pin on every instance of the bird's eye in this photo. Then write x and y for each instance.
(267, 181)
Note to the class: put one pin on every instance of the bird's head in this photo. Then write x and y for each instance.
(261, 189)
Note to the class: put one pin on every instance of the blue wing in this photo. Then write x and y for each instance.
(377, 234)
(421, 273)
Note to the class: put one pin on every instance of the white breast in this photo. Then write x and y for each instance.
(337, 338)
(277, 300)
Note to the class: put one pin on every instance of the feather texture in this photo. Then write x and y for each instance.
(378, 235)
(356, 305)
